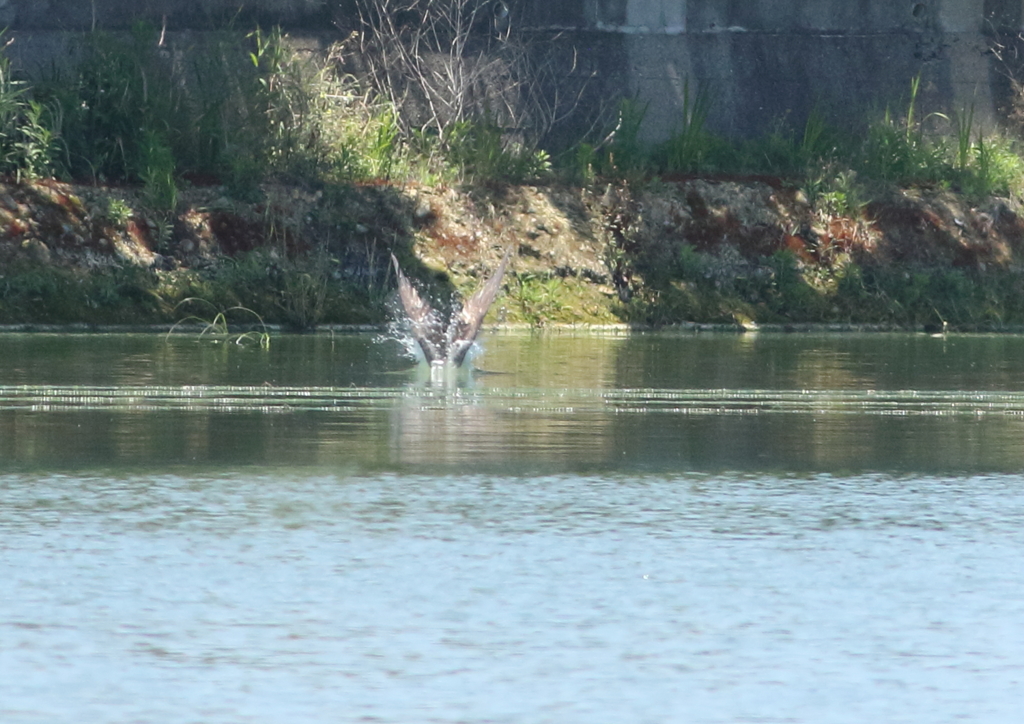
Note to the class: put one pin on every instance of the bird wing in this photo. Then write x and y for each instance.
(466, 323)
(426, 327)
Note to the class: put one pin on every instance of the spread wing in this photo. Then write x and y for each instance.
(466, 323)
(426, 326)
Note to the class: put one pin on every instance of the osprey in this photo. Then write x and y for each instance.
(447, 340)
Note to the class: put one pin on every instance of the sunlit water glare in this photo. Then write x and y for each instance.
(646, 529)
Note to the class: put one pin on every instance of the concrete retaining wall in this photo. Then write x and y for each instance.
(27, 15)
(769, 59)
(763, 60)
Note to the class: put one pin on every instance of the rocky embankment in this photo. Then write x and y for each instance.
(725, 250)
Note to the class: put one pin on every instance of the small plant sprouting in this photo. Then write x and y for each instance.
(840, 196)
(625, 152)
(119, 212)
(687, 149)
(481, 150)
(304, 291)
(539, 299)
(963, 124)
(159, 189)
(584, 161)
(35, 148)
(216, 327)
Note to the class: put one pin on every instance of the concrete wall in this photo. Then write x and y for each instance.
(761, 59)
(816, 16)
(25, 15)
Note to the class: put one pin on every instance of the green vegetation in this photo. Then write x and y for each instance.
(247, 108)
(126, 294)
(841, 174)
(895, 150)
(295, 294)
(777, 290)
(216, 328)
(243, 110)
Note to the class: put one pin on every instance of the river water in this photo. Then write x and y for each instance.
(643, 528)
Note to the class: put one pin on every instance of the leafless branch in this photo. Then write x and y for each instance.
(445, 62)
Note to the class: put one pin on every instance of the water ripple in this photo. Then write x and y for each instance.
(226, 398)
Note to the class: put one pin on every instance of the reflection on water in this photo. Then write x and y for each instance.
(652, 528)
(536, 404)
(514, 430)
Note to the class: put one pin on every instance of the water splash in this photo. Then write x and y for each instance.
(446, 340)
(398, 330)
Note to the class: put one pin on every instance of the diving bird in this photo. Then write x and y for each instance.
(447, 340)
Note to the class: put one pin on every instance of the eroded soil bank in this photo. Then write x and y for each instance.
(740, 251)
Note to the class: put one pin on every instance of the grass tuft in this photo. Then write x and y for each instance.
(216, 327)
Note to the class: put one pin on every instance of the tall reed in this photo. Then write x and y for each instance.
(688, 147)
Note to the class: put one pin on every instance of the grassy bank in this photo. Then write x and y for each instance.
(147, 186)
